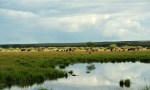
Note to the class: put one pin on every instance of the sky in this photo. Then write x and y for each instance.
(67, 21)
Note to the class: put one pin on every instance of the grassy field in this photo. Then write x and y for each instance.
(18, 67)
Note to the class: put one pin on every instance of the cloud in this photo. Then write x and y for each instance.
(75, 23)
(90, 21)
(16, 14)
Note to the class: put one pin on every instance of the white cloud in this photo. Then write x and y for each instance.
(16, 14)
(93, 19)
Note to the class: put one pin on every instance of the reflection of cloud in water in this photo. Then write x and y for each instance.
(105, 75)
(108, 74)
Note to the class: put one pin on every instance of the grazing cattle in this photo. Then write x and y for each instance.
(40, 50)
(64, 50)
(60, 50)
(29, 50)
(122, 49)
(148, 48)
(23, 50)
(94, 50)
(133, 49)
(51, 50)
(106, 49)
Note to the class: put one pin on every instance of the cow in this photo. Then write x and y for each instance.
(148, 48)
(23, 50)
(106, 49)
(94, 50)
(40, 50)
(133, 49)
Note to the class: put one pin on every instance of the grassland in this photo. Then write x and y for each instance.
(18, 67)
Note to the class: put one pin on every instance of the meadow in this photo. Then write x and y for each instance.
(35, 67)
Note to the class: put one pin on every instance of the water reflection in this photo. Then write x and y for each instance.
(90, 68)
(103, 77)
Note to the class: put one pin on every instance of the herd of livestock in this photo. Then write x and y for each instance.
(72, 49)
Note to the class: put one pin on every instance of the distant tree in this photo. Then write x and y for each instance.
(90, 44)
(125, 47)
(112, 46)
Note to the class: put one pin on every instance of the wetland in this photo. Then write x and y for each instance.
(95, 71)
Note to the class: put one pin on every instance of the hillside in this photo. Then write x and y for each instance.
(101, 44)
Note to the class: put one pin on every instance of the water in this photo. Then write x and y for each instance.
(105, 76)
